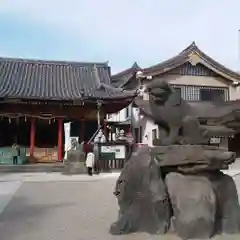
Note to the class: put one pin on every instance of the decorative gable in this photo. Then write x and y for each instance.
(193, 70)
(194, 59)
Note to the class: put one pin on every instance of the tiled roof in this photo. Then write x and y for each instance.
(56, 80)
(184, 56)
(122, 78)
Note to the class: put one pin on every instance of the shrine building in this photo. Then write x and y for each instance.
(37, 97)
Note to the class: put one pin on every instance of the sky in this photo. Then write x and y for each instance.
(119, 32)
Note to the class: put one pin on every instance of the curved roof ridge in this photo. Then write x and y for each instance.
(96, 75)
(52, 62)
(134, 67)
(190, 47)
(184, 55)
(168, 61)
(216, 63)
(122, 78)
(117, 89)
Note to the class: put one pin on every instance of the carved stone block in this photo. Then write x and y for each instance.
(75, 163)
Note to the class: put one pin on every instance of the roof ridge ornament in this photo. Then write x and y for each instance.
(96, 75)
(194, 58)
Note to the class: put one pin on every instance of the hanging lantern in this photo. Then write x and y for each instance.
(49, 121)
(25, 118)
(9, 120)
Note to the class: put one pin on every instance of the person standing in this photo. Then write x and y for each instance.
(16, 154)
(90, 160)
(96, 162)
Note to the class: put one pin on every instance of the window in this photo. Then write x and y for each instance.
(138, 134)
(215, 95)
(154, 134)
(202, 93)
(127, 112)
(178, 91)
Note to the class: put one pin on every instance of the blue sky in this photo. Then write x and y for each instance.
(121, 32)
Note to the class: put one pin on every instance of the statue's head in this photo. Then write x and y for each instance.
(161, 92)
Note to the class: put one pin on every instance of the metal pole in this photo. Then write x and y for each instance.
(238, 50)
(98, 114)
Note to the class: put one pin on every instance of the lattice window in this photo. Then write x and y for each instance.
(214, 95)
(178, 91)
(202, 93)
(191, 70)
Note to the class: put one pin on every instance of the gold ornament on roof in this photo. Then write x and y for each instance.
(194, 58)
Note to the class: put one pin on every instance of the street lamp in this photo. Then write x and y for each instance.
(140, 76)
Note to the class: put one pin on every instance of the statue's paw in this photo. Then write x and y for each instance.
(115, 230)
(120, 227)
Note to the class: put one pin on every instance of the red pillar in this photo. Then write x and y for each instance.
(60, 142)
(82, 130)
(32, 136)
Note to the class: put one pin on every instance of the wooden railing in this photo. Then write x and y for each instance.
(43, 155)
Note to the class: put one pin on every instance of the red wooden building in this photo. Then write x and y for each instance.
(37, 97)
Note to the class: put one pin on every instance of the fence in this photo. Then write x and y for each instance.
(108, 162)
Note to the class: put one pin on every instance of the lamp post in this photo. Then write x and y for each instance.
(99, 104)
(140, 76)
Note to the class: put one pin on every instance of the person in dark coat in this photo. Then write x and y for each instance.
(16, 153)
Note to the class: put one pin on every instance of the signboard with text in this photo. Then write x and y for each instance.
(119, 150)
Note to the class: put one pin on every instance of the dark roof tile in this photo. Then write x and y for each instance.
(122, 78)
(56, 80)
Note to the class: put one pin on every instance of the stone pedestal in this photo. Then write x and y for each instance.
(177, 188)
(75, 163)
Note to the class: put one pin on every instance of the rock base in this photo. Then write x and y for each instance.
(159, 199)
(142, 198)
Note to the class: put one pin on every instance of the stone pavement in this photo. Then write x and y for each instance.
(55, 176)
(51, 206)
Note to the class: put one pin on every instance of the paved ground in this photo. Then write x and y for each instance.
(51, 206)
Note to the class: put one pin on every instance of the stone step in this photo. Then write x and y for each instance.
(32, 168)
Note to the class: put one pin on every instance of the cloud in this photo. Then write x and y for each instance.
(148, 31)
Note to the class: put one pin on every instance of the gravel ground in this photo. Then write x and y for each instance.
(66, 211)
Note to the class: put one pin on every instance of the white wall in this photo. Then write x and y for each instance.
(120, 116)
(117, 117)
(147, 126)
